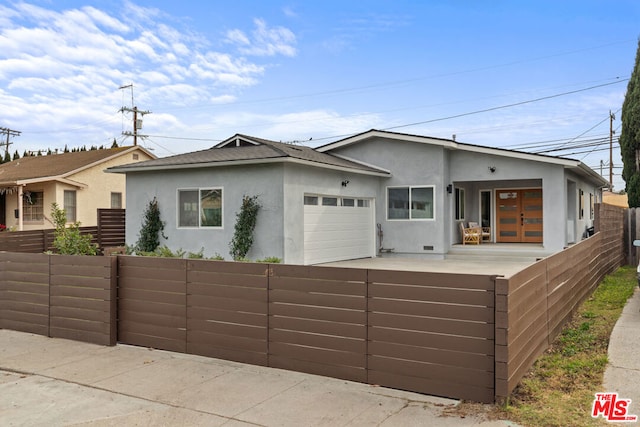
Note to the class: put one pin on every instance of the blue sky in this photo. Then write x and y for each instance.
(531, 75)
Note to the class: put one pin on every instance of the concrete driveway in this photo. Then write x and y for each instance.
(497, 264)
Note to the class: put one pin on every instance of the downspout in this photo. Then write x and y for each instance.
(20, 187)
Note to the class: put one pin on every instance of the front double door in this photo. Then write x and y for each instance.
(519, 216)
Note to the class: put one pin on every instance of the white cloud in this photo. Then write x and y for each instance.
(264, 41)
(61, 70)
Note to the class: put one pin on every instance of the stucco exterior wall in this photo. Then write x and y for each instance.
(49, 190)
(300, 180)
(264, 181)
(99, 186)
(411, 164)
(96, 194)
(518, 173)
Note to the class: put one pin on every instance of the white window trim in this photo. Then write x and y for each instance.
(386, 206)
(199, 227)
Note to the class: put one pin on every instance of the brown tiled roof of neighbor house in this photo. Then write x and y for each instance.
(54, 165)
(262, 150)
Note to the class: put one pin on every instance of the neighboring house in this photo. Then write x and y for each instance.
(75, 181)
(615, 199)
(345, 200)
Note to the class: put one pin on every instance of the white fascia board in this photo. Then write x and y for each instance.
(385, 135)
(243, 163)
(360, 162)
(52, 178)
(452, 145)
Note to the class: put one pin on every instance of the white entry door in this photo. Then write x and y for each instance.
(337, 228)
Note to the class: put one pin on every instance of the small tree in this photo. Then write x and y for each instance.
(630, 136)
(152, 228)
(245, 224)
(69, 240)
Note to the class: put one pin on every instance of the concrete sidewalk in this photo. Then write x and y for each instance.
(623, 371)
(55, 382)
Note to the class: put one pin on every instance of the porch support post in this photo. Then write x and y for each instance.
(20, 187)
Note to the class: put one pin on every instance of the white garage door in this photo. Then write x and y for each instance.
(337, 228)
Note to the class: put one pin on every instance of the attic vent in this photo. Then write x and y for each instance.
(135, 156)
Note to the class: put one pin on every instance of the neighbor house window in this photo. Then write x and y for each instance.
(410, 203)
(70, 205)
(459, 203)
(116, 200)
(33, 206)
(200, 208)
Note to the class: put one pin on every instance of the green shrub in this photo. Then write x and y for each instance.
(270, 260)
(152, 229)
(69, 240)
(245, 224)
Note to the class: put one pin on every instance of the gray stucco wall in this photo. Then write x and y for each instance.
(265, 181)
(411, 164)
(300, 180)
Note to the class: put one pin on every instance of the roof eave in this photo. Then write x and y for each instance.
(125, 170)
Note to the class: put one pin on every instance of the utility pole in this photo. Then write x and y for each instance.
(611, 119)
(137, 123)
(9, 133)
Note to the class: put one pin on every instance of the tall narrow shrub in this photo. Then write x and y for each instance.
(152, 228)
(245, 224)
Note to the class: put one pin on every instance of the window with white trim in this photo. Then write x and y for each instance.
(410, 203)
(70, 205)
(33, 206)
(200, 207)
(116, 200)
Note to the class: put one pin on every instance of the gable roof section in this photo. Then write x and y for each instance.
(572, 164)
(58, 167)
(244, 150)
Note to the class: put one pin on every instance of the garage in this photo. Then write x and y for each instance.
(337, 228)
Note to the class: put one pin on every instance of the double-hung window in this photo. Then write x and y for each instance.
(70, 205)
(410, 203)
(200, 207)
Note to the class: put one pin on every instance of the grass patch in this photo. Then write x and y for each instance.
(559, 389)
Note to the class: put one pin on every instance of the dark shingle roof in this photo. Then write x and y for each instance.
(262, 150)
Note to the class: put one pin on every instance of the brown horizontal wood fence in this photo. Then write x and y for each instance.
(533, 305)
(59, 296)
(425, 332)
(109, 232)
(463, 336)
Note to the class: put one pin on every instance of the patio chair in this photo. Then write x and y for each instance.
(470, 235)
(485, 231)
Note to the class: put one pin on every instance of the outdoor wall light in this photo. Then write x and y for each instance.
(492, 169)
(450, 188)
(345, 182)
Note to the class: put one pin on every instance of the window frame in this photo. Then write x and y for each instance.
(30, 207)
(71, 212)
(459, 204)
(119, 196)
(410, 189)
(199, 225)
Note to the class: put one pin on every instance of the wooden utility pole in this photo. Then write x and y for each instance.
(611, 119)
(9, 133)
(137, 123)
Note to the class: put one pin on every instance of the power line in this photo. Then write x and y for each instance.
(486, 110)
